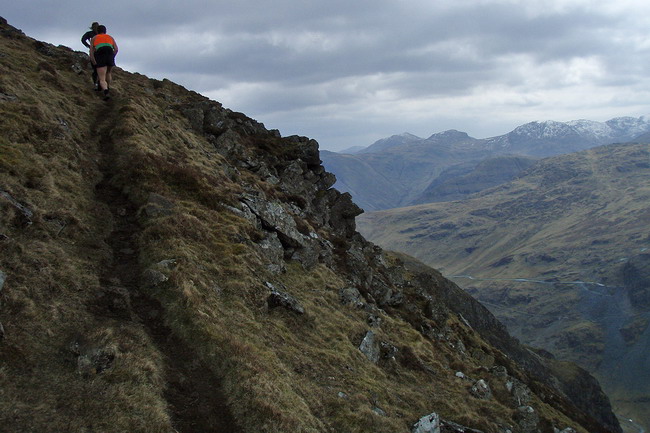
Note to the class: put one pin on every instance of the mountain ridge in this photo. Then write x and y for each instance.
(172, 265)
(424, 160)
(553, 253)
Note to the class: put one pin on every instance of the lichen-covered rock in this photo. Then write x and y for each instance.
(427, 424)
(274, 217)
(272, 251)
(370, 347)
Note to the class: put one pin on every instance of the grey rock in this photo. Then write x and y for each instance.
(374, 320)
(370, 347)
(271, 250)
(351, 296)
(167, 264)
(77, 68)
(3, 278)
(308, 255)
(379, 411)
(521, 394)
(2, 332)
(527, 419)
(280, 299)
(481, 390)
(396, 299)
(462, 319)
(153, 278)
(427, 424)
(388, 351)
(436, 311)
(452, 427)
(25, 212)
(342, 214)
(4, 97)
(274, 217)
(91, 360)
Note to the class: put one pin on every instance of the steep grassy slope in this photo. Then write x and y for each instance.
(169, 265)
(534, 249)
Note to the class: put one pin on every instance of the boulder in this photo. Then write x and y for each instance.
(527, 419)
(280, 299)
(521, 394)
(342, 213)
(481, 390)
(274, 217)
(427, 424)
(351, 296)
(152, 278)
(89, 359)
(370, 347)
(3, 278)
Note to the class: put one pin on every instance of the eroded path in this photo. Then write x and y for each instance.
(195, 401)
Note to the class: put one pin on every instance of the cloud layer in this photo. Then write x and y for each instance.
(348, 73)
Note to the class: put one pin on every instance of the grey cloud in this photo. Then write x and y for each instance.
(315, 56)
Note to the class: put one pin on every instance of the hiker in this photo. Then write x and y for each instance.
(103, 50)
(85, 40)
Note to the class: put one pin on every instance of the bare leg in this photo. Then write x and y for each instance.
(109, 76)
(101, 73)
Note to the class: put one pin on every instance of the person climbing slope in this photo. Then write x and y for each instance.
(103, 50)
(85, 39)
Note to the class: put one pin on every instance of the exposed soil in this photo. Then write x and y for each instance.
(196, 403)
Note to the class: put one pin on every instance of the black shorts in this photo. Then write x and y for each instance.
(104, 56)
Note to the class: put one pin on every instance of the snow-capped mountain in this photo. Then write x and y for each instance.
(397, 170)
(552, 138)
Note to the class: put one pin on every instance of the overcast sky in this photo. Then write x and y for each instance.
(350, 72)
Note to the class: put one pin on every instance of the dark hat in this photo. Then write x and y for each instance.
(93, 25)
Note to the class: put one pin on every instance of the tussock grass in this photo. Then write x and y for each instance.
(280, 372)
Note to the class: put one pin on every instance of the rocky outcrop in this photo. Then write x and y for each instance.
(215, 255)
(279, 298)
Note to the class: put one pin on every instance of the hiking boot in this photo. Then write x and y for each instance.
(106, 95)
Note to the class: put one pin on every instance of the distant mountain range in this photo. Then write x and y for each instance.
(561, 255)
(404, 169)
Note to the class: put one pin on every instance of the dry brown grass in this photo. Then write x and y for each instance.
(279, 372)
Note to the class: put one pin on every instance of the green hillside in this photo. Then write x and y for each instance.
(559, 254)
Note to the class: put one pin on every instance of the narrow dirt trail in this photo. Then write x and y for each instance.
(195, 401)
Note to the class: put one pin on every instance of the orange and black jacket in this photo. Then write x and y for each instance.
(103, 40)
